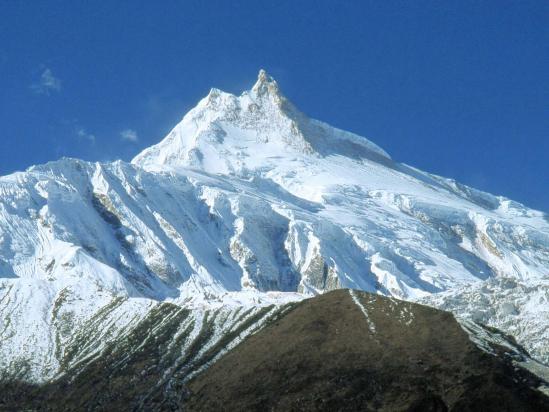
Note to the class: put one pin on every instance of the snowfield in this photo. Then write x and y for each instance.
(248, 203)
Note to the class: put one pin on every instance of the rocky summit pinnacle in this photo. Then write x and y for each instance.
(265, 84)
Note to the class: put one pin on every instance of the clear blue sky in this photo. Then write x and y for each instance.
(457, 88)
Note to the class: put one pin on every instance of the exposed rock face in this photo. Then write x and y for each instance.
(319, 275)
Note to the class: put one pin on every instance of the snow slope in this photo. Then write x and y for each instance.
(247, 203)
(417, 232)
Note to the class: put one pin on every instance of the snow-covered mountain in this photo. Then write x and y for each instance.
(247, 203)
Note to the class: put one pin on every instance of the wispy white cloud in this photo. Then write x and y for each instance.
(129, 135)
(47, 84)
(83, 134)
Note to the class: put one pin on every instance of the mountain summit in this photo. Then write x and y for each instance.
(229, 134)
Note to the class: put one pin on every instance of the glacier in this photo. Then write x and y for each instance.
(248, 203)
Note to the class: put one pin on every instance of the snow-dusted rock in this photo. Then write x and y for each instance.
(518, 307)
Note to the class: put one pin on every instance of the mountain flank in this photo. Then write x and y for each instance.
(344, 350)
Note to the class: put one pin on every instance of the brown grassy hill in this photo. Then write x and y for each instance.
(327, 354)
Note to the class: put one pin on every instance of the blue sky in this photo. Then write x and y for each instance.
(457, 88)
